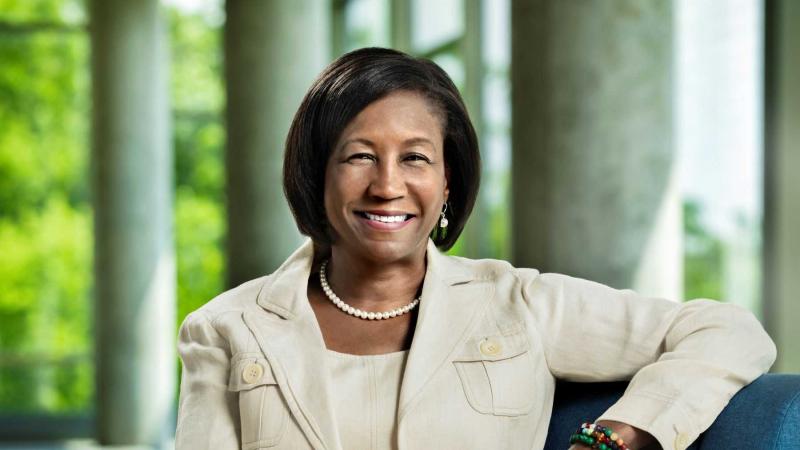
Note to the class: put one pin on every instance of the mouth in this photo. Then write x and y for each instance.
(385, 220)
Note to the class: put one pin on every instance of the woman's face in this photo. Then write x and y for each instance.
(385, 182)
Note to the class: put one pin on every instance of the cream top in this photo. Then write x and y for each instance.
(368, 388)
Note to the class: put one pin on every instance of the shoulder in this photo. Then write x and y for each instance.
(524, 283)
(220, 322)
(236, 300)
(491, 270)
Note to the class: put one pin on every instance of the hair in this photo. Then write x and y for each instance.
(343, 90)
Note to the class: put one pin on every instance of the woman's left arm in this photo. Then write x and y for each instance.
(685, 360)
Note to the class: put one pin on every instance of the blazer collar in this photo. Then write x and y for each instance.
(287, 296)
(452, 298)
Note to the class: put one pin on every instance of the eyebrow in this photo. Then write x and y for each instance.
(407, 142)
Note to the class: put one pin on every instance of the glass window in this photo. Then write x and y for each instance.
(453, 65)
(496, 130)
(718, 136)
(46, 366)
(436, 23)
(197, 98)
(366, 24)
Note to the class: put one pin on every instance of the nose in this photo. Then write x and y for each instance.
(387, 182)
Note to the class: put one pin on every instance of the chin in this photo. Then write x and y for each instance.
(389, 251)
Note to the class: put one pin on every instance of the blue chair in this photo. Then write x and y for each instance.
(765, 415)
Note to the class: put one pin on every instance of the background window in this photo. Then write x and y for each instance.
(46, 367)
(718, 136)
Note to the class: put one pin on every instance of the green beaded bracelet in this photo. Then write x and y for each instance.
(597, 437)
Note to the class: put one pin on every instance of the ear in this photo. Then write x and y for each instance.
(446, 182)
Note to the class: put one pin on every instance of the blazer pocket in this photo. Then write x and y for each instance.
(497, 374)
(262, 409)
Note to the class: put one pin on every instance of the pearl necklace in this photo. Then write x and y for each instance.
(361, 314)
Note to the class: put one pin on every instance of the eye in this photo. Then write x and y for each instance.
(360, 157)
(415, 157)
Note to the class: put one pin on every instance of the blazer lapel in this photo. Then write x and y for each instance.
(452, 301)
(293, 344)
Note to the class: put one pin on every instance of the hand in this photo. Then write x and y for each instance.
(634, 438)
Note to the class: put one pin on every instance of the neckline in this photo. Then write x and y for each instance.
(390, 355)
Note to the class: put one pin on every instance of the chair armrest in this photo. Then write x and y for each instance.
(764, 415)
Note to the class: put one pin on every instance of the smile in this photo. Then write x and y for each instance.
(385, 221)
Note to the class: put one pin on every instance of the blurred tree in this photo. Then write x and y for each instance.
(45, 217)
(703, 256)
(45, 213)
(197, 100)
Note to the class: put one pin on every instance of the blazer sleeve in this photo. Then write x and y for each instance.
(684, 360)
(208, 414)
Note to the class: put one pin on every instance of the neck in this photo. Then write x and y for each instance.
(372, 285)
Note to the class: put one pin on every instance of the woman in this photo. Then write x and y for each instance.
(369, 337)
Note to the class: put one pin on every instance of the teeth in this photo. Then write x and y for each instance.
(386, 219)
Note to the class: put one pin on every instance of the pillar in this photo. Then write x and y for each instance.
(132, 195)
(475, 238)
(782, 185)
(273, 51)
(594, 190)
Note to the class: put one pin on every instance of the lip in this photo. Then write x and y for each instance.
(385, 212)
(385, 226)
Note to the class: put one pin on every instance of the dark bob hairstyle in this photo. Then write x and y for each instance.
(345, 88)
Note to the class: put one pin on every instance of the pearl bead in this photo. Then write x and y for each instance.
(323, 281)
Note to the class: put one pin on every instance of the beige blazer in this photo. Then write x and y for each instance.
(489, 342)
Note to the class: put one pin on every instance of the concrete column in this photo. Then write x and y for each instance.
(273, 51)
(782, 185)
(132, 193)
(593, 189)
(474, 239)
(401, 26)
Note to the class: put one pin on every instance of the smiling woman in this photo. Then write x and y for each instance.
(369, 337)
(385, 182)
(338, 117)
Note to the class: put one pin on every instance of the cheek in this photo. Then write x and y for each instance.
(433, 194)
(331, 193)
(341, 187)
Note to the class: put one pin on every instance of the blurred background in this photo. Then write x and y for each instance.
(646, 145)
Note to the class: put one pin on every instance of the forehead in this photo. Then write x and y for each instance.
(400, 113)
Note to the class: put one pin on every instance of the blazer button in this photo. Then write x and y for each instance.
(491, 348)
(252, 373)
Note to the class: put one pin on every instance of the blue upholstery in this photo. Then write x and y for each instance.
(765, 415)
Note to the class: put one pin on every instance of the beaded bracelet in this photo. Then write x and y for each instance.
(597, 437)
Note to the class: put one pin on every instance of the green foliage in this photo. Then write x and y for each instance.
(26, 11)
(197, 99)
(44, 309)
(703, 256)
(45, 218)
(200, 259)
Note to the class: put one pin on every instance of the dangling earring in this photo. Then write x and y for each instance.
(443, 221)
